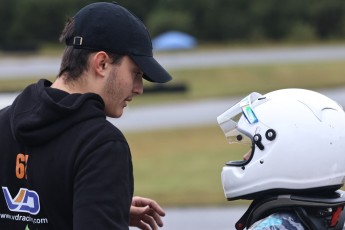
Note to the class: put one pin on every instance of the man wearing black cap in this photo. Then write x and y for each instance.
(62, 164)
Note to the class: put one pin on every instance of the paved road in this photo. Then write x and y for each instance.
(49, 66)
(189, 114)
(213, 218)
(186, 114)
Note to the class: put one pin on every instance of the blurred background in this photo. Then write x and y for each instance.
(217, 51)
(30, 24)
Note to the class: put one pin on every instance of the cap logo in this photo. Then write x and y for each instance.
(78, 40)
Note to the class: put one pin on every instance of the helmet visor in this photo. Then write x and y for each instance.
(228, 120)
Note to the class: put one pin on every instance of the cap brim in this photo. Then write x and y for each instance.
(153, 71)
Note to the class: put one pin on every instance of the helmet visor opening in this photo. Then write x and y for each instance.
(229, 119)
(242, 159)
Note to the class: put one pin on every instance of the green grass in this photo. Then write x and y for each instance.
(182, 166)
(11, 85)
(230, 81)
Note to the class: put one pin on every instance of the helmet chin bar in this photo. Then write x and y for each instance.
(242, 163)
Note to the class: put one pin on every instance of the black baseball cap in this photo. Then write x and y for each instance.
(105, 26)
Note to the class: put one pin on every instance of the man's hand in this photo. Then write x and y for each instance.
(145, 214)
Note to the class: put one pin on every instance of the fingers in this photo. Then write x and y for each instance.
(148, 222)
(150, 217)
(153, 214)
(157, 208)
(146, 214)
(142, 202)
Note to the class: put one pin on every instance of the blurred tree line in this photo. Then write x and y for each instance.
(26, 23)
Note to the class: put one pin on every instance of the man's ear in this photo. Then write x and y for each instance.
(99, 63)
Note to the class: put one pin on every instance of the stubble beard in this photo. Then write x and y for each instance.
(111, 92)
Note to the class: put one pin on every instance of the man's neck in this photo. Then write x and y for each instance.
(69, 87)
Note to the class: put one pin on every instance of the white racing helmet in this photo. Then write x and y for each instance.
(296, 139)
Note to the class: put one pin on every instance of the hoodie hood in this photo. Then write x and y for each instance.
(40, 113)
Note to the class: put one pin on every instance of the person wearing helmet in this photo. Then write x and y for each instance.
(295, 166)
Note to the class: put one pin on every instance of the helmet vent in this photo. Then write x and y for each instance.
(270, 134)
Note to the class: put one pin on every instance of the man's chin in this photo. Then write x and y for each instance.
(115, 114)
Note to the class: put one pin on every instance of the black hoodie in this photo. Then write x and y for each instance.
(62, 164)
